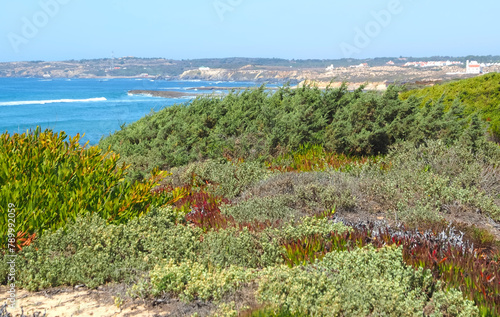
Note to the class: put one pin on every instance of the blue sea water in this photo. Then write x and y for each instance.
(91, 106)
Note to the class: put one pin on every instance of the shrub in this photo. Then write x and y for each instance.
(225, 179)
(359, 283)
(371, 124)
(465, 261)
(258, 125)
(239, 247)
(429, 179)
(51, 181)
(313, 158)
(308, 226)
(87, 251)
(305, 193)
(190, 280)
(261, 209)
(477, 94)
(257, 249)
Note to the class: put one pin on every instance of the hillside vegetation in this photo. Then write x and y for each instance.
(479, 94)
(300, 202)
(259, 124)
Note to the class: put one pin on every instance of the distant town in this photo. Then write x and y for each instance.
(377, 72)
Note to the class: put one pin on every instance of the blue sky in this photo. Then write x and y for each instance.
(77, 29)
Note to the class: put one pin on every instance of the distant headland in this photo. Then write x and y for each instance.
(378, 71)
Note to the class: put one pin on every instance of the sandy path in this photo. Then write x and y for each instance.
(66, 302)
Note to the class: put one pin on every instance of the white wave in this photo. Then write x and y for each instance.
(140, 94)
(43, 102)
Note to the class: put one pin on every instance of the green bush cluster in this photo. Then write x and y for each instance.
(190, 280)
(413, 183)
(226, 179)
(251, 249)
(52, 180)
(372, 123)
(480, 93)
(258, 124)
(364, 282)
(240, 248)
(88, 251)
(261, 209)
(284, 195)
(424, 181)
(308, 226)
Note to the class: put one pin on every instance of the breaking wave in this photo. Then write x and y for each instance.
(43, 102)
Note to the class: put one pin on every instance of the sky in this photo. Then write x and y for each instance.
(53, 30)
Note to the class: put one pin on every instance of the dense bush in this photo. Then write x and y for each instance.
(480, 93)
(227, 179)
(372, 123)
(413, 183)
(359, 283)
(285, 195)
(258, 124)
(190, 280)
(51, 180)
(239, 247)
(246, 248)
(88, 251)
(363, 282)
(314, 158)
(427, 180)
(261, 209)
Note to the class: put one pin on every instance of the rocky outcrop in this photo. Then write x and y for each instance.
(244, 74)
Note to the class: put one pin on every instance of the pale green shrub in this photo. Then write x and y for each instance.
(241, 248)
(450, 304)
(297, 194)
(190, 280)
(90, 252)
(307, 226)
(431, 179)
(364, 282)
(228, 179)
(261, 209)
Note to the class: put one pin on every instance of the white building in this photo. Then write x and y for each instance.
(473, 67)
(329, 68)
(203, 68)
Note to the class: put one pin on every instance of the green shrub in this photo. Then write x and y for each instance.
(433, 178)
(305, 193)
(371, 124)
(480, 93)
(270, 312)
(224, 179)
(364, 282)
(450, 303)
(51, 180)
(250, 249)
(190, 280)
(305, 227)
(261, 209)
(88, 251)
(239, 247)
(314, 158)
(258, 125)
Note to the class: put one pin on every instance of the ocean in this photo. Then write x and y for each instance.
(94, 107)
